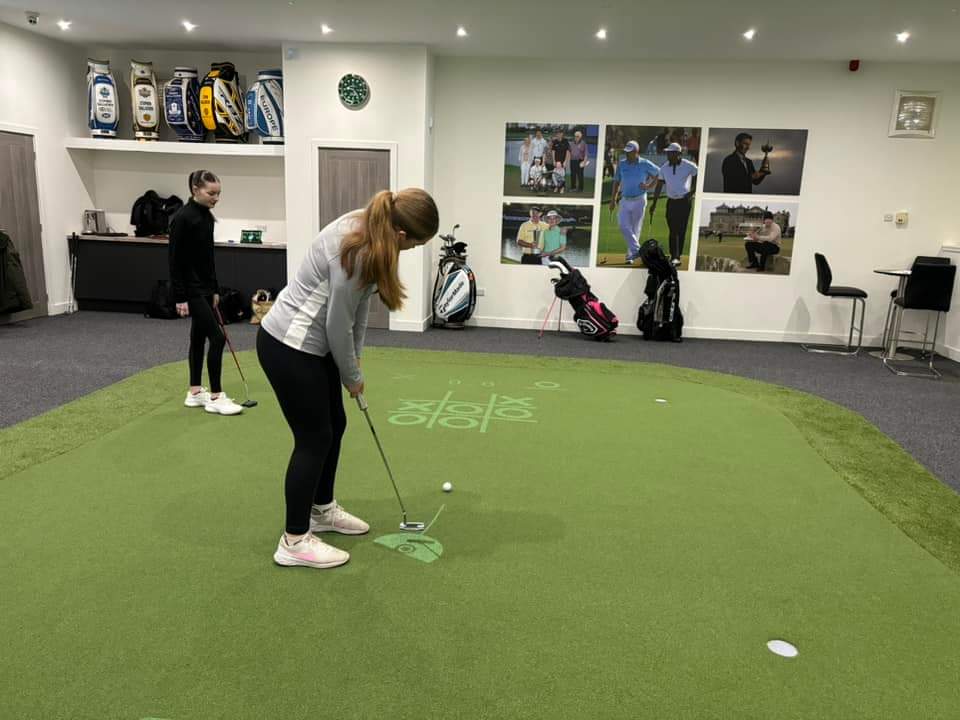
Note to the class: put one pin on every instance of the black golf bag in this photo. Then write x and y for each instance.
(659, 317)
(594, 319)
(455, 289)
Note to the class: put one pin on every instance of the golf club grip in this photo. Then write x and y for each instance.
(362, 402)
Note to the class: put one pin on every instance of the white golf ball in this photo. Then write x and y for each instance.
(447, 487)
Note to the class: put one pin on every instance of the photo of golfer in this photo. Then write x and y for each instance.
(748, 161)
(532, 234)
(550, 159)
(738, 238)
(640, 160)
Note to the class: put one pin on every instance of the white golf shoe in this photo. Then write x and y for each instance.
(223, 405)
(199, 399)
(335, 519)
(309, 551)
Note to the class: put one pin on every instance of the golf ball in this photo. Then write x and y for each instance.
(447, 487)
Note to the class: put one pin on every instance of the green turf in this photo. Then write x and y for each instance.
(602, 555)
(513, 188)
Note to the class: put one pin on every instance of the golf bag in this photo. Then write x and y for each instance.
(181, 100)
(103, 115)
(659, 318)
(455, 289)
(594, 318)
(161, 304)
(221, 103)
(234, 307)
(265, 107)
(145, 100)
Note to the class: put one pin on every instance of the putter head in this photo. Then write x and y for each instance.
(249, 403)
(410, 526)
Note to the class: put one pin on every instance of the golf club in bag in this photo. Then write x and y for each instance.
(659, 318)
(247, 402)
(594, 319)
(406, 525)
(455, 289)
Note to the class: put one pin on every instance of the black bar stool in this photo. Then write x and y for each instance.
(928, 259)
(929, 287)
(826, 287)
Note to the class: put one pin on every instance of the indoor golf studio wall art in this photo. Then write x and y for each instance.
(546, 159)
(532, 233)
(745, 235)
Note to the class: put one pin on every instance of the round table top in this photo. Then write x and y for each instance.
(896, 273)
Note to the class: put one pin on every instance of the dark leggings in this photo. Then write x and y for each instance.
(205, 328)
(308, 390)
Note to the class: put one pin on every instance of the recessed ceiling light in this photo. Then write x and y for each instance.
(189, 26)
(461, 31)
(902, 37)
(602, 34)
(749, 34)
(64, 24)
(326, 29)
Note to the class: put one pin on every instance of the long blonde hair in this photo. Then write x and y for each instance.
(375, 245)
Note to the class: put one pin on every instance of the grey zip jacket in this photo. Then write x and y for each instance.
(323, 311)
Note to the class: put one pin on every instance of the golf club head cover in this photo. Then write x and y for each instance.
(181, 101)
(221, 103)
(146, 101)
(265, 107)
(103, 115)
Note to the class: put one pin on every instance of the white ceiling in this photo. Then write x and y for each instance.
(560, 29)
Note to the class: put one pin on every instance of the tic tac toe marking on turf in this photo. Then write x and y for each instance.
(463, 414)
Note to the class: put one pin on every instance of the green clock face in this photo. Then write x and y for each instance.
(354, 91)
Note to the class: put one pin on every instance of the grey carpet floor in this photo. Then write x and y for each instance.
(48, 362)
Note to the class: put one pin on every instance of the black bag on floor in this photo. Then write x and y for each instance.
(659, 318)
(234, 307)
(161, 305)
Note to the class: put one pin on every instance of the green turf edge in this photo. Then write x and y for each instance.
(881, 471)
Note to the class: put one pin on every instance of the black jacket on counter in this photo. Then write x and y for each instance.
(192, 270)
(14, 294)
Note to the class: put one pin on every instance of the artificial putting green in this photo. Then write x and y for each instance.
(603, 555)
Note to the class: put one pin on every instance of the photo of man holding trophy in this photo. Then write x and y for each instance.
(744, 171)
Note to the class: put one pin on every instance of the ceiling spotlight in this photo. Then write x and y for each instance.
(461, 31)
(189, 26)
(326, 29)
(64, 24)
(602, 34)
(902, 37)
(749, 34)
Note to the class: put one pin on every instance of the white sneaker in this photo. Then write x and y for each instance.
(223, 406)
(198, 400)
(309, 551)
(336, 519)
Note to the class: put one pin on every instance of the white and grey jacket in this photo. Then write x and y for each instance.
(322, 310)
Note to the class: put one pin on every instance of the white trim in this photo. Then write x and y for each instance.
(949, 351)
(950, 248)
(167, 147)
(409, 325)
(61, 308)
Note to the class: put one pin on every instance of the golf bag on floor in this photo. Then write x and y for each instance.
(659, 317)
(455, 289)
(594, 319)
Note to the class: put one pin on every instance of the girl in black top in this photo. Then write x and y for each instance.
(194, 280)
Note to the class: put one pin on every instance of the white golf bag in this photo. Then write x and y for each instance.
(103, 114)
(181, 104)
(145, 100)
(221, 103)
(265, 107)
(455, 289)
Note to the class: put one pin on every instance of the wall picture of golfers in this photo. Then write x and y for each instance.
(749, 161)
(751, 238)
(649, 181)
(545, 160)
(534, 233)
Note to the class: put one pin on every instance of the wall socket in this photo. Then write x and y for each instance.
(481, 292)
(888, 217)
(901, 218)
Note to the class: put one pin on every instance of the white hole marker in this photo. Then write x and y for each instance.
(661, 401)
(782, 648)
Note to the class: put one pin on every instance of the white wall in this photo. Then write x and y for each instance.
(853, 175)
(396, 113)
(42, 92)
(253, 188)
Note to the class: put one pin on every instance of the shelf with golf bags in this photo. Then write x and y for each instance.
(455, 289)
(593, 318)
(659, 317)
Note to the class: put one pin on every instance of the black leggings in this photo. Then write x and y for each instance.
(205, 327)
(308, 390)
